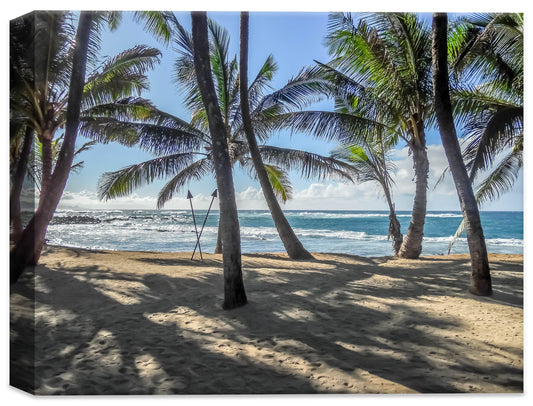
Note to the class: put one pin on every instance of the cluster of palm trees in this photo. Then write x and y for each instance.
(392, 78)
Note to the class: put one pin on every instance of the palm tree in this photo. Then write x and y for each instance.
(371, 163)
(45, 74)
(291, 242)
(28, 248)
(383, 63)
(389, 55)
(20, 154)
(487, 61)
(21, 134)
(487, 72)
(187, 152)
(234, 293)
(480, 279)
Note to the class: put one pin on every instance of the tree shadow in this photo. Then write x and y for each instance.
(206, 262)
(168, 334)
(109, 351)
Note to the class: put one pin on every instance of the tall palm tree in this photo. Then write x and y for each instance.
(487, 52)
(234, 293)
(21, 146)
(28, 248)
(389, 54)
(292, 244)
(487, 72)
(383, 62)
(480, 279)
(188, 154)
(46, 72)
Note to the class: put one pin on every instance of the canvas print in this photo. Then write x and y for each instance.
(266, 202)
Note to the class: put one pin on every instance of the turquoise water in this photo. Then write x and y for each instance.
(353, 232)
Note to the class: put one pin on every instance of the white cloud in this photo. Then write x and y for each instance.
(87, 200)
(322, 196)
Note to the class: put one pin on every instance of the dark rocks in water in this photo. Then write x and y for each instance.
(75, 220)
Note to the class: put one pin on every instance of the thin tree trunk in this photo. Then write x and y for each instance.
(480, 281)
(28, 249)
(412, 243)
(47, 164)
(394, 224)
(234, 294)
(15, 215)
(218, 247)
(292, 244)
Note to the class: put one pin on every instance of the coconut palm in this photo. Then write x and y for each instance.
(487, 71)
(50, 90)
(186, 153)
(292, 244)
(371, 163)
(382, 61)
(28, 248)
(234, 293)
(389, 54)
(480, 278)
(487, 61)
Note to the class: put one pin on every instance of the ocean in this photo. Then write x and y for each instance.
(361, 233)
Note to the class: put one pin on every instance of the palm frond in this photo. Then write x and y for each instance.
(153, 138)
(280, 182)
(330, 126)
(121, 76)
(159, 23)
(194, 171)
(309, 165)
(489, 133)
(460, 230)
(124, 181)
(308, 86)
(501, 179)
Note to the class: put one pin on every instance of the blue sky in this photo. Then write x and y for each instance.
(295, 40)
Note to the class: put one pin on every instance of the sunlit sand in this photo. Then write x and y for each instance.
(152, 323)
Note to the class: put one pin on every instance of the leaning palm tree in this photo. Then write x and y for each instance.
(50, 91)
(487, 72)
(186, 152)
(371, 163)
(292, 244)
(382, 60)
(487, 53)
(28, 248)
(480, 278)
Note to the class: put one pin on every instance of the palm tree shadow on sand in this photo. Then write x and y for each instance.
(131, 333)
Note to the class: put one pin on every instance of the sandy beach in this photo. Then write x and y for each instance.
(110, 322)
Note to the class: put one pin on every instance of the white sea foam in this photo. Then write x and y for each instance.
(333, 215)
(173, 230)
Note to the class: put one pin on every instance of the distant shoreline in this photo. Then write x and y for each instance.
(46, 247)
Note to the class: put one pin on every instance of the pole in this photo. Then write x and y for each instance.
(214, 194)
(189, 196)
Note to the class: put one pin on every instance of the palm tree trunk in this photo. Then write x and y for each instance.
(15, 216)
(234, 294)
(218, 247)
(394, 224)
(480, 281)
(47, 164)
(292, 244)
(28, 249)
(412, 243)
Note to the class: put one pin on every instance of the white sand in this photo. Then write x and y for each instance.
(152, 323)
